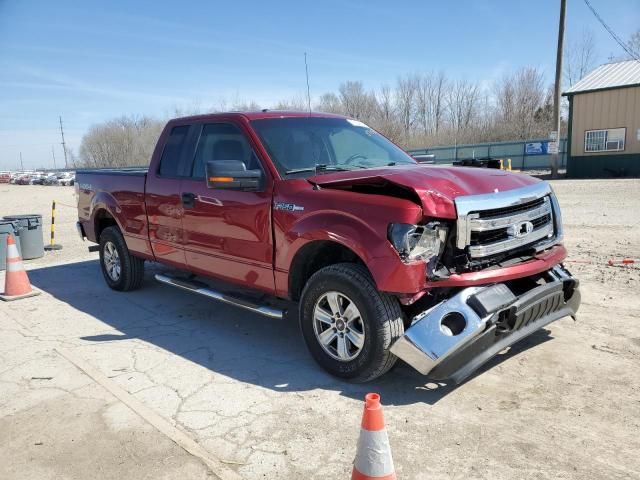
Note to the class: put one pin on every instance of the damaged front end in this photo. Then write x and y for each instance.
(455, 337)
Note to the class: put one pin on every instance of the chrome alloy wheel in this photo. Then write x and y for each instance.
(338, 326)
(111, 260)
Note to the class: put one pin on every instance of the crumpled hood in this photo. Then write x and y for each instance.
(437, 187)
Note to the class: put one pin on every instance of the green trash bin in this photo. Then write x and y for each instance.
(29, 228)
(7, 228)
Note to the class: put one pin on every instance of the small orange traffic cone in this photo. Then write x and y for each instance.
(373, 458)
(16, 281)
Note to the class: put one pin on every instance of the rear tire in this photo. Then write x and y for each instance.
(378, 323)
(121, 270)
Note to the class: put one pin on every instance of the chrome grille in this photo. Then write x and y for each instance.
(496, 223)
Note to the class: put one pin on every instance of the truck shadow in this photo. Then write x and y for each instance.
(224, 339)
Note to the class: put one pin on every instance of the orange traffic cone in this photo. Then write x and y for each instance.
(373, 458)
(16, 281)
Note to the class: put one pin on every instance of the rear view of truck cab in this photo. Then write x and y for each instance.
(382, 257)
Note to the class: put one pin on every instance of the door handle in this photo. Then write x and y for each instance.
(188, 200)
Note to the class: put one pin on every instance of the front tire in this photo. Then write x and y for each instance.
(347, 324)
(121, 270)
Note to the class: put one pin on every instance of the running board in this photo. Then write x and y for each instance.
(202, 289)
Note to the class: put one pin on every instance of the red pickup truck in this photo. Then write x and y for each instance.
(442, 267)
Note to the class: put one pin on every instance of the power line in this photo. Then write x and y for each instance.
(620, 42)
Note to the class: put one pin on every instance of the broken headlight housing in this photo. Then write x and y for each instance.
(418, 242)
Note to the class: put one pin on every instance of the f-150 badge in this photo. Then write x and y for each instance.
(289, 207)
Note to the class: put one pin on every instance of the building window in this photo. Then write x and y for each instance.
(608, 140)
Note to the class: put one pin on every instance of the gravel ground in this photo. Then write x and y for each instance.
(564, 403)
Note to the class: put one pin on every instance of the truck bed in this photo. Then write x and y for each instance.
(129, 171)
(119, 191)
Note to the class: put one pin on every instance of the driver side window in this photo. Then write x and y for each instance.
(222, 141)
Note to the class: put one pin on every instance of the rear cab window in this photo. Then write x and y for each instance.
(222, 141)
(172, 152)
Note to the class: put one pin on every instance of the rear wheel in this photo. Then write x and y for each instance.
(121, 270)
(347, 324)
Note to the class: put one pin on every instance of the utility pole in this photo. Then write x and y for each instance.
(53, 154)
(64, 146)
(556, 91)
(21, 164)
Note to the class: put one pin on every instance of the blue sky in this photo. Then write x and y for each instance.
(90, 61)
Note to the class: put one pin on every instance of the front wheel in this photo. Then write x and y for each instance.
(347, 324)
(121, 270)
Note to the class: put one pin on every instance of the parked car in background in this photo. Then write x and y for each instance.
(50, 179)
(24, 179)
(37, 179)
(5, 177)
(67, 178)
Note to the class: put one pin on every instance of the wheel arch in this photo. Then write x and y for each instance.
(105, 213)
(103, 219)
(314, 256)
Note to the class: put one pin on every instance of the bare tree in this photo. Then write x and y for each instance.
(505, 100)
(385, 120)
(430, 103)
(356, 101)
(580, 57)
(125, 141)
(330, 103)
(518, 97)
(530, 95)
(437, 101)
(634, 43)
(245, 106)
(298, 103)
(405, 97)
(462, 101)
(385, 104)
(424, 95)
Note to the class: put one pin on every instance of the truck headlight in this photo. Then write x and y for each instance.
(418, 242)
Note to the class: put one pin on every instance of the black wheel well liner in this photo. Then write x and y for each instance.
(102, 220)
(314, 256)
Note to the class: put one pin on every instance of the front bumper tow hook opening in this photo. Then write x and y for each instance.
(453, 324)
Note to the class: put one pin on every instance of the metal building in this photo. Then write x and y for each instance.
(604, 122)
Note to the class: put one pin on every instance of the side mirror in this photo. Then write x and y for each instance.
(233, 175)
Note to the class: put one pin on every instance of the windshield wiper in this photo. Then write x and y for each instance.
(319, 167)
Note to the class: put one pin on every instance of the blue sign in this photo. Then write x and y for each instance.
(536, 148)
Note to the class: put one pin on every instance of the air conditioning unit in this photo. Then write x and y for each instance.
(615, 145)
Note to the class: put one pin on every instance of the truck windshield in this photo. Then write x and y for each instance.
(307, 145)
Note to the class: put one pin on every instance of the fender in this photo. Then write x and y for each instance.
(369, 244)
(104, 201)
(131, 220)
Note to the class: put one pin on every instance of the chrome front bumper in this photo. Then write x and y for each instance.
(454, 338)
